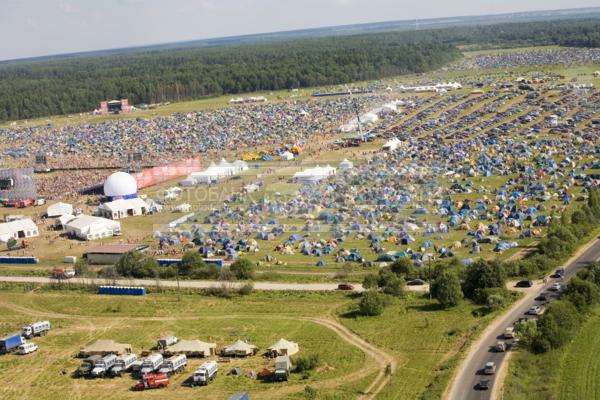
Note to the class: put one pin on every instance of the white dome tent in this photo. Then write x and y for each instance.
(120, 185)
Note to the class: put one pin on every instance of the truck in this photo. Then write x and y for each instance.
(62, 273)
(39, 328)
(206, 373)
(165, 341)
(123, 364)
(173, 365)
(87, 365)
(11, 343)
(103, 365)
(283, 366)
(151, 364)
(152, 381)
(240, 396)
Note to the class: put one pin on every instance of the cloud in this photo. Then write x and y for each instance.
(66, 7)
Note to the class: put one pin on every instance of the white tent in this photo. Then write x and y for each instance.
(88, 227)
(392, 144)
(22, 228)
(123, 208)
(346, 164)
(215, 173)
(58, 209)
(120, 184)
(286, 156)
(315, 174)
(284, 348)
(239, 348)
(185, 207)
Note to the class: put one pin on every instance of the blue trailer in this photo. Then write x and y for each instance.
(10, 343)
(18, 260)
(122, 290)
(240, 396)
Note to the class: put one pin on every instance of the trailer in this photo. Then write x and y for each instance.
(87, 365)
(103, 365)
(173, 365)
(283, 366)
(62, 273)
(152, 381)
(18, 260)
(123, 364)
(151, 364)
(122, 290)
(165, 341)
(36, 329)
(206, 373)
(11, 343)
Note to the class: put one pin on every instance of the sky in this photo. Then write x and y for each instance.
(31, 28)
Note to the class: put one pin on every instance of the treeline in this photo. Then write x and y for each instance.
(77, 83)
(43, 88)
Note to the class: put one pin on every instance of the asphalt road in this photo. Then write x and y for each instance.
(466, 381)
(277, 286)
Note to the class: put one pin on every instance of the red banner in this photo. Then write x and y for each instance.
(177, 169)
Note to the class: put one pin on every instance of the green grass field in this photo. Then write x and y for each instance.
(569, 373)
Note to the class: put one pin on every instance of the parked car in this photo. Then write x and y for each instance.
(524, 284)
(345, 286)
(535, 310)
(490, 368)
(27, 348)
(415, 282)
(556, 287)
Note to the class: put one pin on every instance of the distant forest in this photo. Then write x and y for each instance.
(65, 85)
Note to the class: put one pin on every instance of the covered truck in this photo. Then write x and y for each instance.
(36, 329)
(123, 364)
(283, 366)
(173, 365)
(206, 373)
(151, 364)
(103, 365)
(11, 343)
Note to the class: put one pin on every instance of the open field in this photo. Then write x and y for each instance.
(568, 373)
(310, 319)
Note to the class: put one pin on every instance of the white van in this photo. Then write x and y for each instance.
(27, 348)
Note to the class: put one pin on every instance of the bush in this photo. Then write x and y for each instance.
(446, 289)
(137, 265)
(306, 363)
(246, 289)
(372, 303)
(370, 281)
(481, 275)
(242, 269)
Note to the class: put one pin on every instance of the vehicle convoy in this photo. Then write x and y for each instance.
(36, 329)
(205, 374)
(283, 366)
(87, 365)
(152, 381)
(11, 343)
(165, 341)
(27, 348)
(151, 364)
(173, 365)
(123, 364)
(103, 365)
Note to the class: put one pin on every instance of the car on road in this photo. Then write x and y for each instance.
(490, 368)
(500, 347)
(556, 287)
(535, 310)
(415, 282)
(484, 384)
(559, 273)
(509, 333)
(543, 297)
(345, 286)
(524, 284)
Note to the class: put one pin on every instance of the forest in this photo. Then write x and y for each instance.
(35, 88)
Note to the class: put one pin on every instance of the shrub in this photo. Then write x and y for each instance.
(242, 269)
(246, 289)
(446, 289)
(306, 363)
(372, 303)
